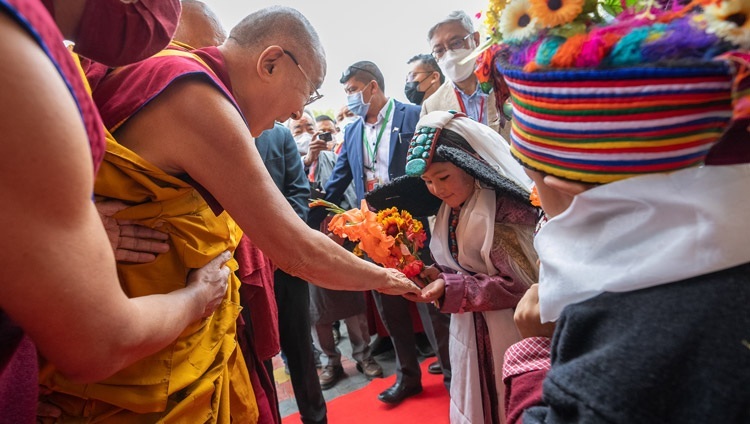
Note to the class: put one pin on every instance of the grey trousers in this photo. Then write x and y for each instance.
(394, 311)
(359, 337)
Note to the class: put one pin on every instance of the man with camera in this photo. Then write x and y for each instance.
(374, 153)
(329, 306)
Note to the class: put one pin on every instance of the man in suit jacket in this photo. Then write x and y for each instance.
(451, 40)
(373, 153)
(279, 152)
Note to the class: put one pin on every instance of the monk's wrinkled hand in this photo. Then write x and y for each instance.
(527, 316)
(398, 284)
(130, 242)
(213, 280)
(412, 297)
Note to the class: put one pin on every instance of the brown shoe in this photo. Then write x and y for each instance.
(330, 376)
(370, 368)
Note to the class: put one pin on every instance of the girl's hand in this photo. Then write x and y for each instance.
(433, 291)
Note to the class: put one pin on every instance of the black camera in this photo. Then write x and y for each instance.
(326, 136)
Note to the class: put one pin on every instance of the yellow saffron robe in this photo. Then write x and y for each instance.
(202, 376)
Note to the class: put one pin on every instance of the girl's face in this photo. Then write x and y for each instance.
(449, 183)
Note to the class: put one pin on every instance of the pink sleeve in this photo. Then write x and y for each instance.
(479, 292)
(526, 364)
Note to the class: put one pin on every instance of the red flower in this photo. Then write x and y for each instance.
(412, 269)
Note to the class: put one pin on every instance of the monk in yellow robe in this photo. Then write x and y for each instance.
(183, 155)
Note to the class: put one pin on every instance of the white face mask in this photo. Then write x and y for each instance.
(450, 66)
(303, 142)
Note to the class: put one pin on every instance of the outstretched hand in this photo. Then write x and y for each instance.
(432, 286)
(398, 284)
(130, 242)
(528, 318)
(213, 279)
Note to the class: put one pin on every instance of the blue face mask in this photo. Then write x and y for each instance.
(356, 103)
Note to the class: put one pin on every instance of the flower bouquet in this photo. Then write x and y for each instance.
(390, 237)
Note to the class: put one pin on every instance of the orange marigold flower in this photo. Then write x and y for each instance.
(534, 198)
(552, 13)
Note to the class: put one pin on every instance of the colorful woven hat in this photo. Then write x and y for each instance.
(598, 100)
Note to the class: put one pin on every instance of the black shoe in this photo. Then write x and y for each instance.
(381, 345)
(424, 349)
(398, 392)
(435, 368)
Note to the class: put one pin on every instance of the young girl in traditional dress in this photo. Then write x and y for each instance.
(482, 246)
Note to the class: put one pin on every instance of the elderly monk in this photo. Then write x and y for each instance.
(184, 123)
(199, 26)
(59, 292)
(257, 327)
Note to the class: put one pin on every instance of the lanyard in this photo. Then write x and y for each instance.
(373, 151)
(463, 107)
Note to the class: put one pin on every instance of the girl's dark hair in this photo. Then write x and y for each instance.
(451, 139)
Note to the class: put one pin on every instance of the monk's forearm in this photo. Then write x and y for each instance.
(142, 327)
(320, 261)
(160, 320)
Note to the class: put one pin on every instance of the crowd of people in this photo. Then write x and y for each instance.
(582, 182)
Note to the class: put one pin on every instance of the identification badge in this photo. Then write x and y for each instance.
(372, 184)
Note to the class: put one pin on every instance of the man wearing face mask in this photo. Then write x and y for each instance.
(302, 130)
(344, 117)
(374, 153)
(452, 40)
(424, 78)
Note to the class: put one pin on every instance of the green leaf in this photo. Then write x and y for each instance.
(570, 29)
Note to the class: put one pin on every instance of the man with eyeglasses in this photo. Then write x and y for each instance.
(184, 121)
(452, 40)
(423, 79)
(374, 153)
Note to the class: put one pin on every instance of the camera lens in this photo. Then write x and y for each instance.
(326, 136)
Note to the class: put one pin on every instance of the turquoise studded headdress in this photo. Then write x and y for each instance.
(422, 150)
(453, 137)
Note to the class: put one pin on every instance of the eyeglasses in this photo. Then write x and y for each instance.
(316, 95)
(453, 45)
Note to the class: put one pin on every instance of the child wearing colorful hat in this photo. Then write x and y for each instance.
(481, 243)
(641, 314)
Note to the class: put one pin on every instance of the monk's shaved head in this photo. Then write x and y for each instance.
(282, 26)
(199, 26)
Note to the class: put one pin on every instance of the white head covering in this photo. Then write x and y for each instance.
(474, 235)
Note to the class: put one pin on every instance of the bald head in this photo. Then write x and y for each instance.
(281, 26)
(199, 26)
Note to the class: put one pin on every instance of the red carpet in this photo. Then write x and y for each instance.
(363, 407)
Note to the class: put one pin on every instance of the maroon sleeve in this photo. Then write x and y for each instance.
(480, 292)
(525, 366)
